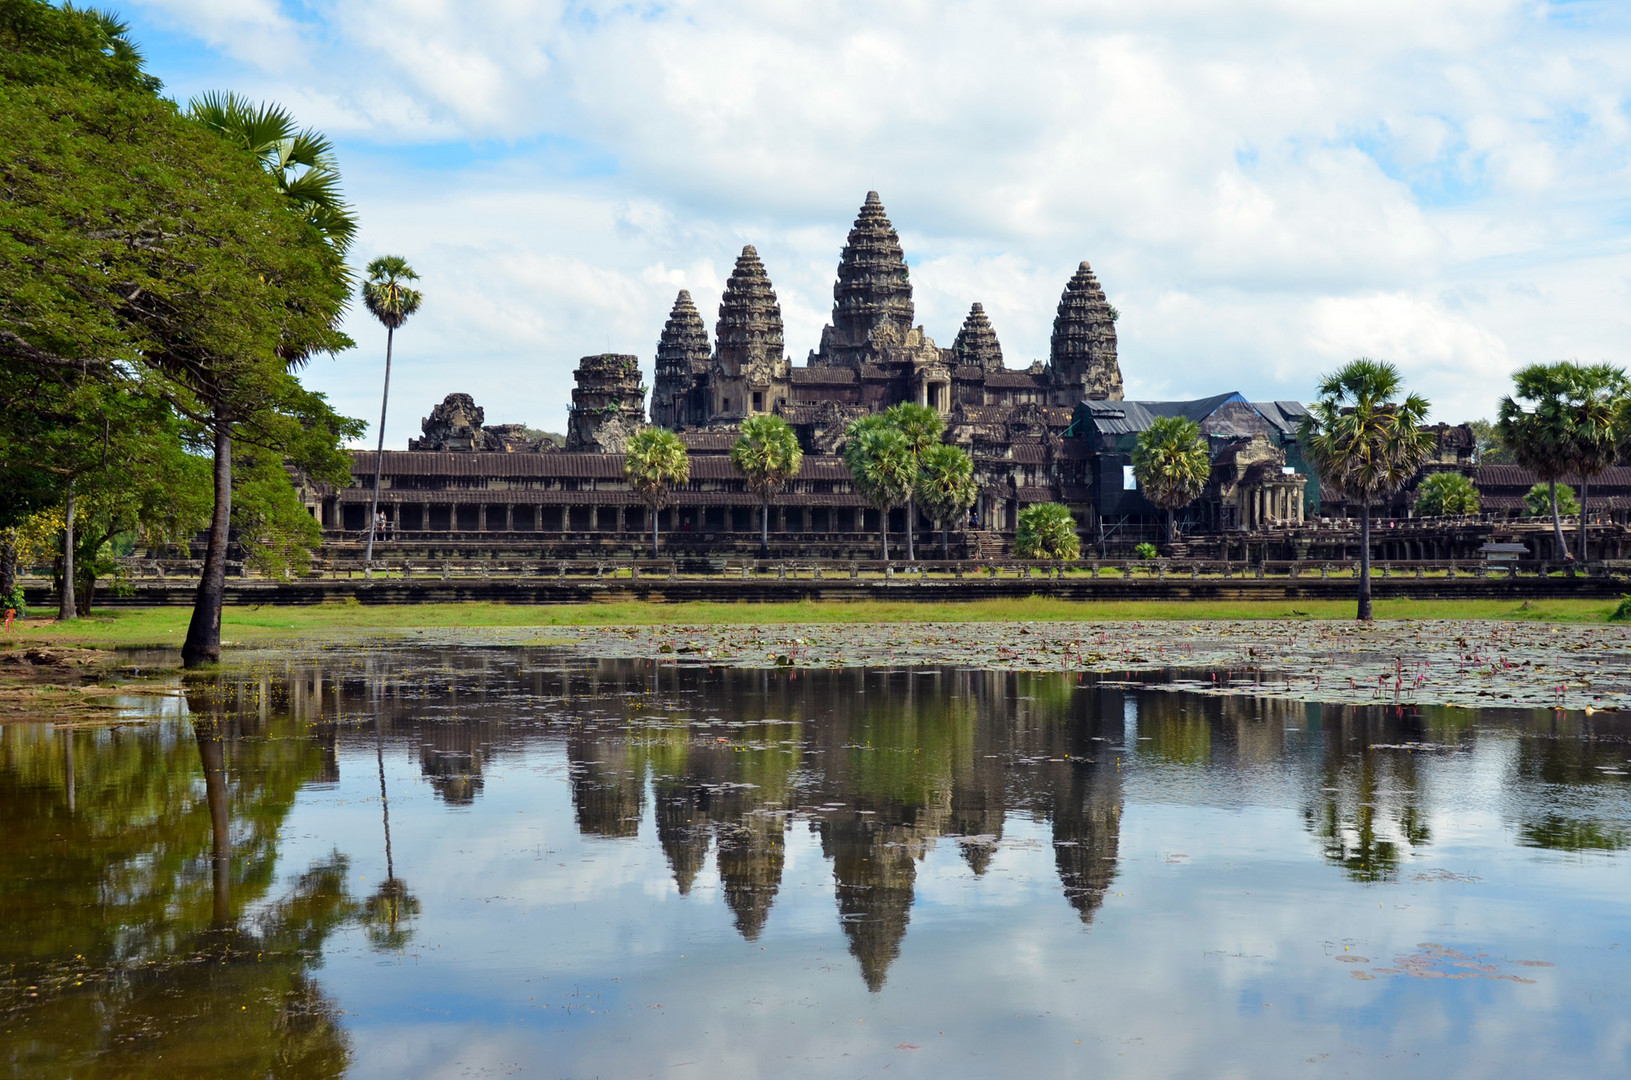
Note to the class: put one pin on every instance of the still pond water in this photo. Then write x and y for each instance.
(523, 862)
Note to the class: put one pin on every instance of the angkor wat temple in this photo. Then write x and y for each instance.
(1054, 431)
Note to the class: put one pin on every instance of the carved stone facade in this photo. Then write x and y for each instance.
(608, 404)
(456, 424)
(750, 370)
(1082, 356)
(683, 360)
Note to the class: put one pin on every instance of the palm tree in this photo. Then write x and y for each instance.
(945, 487)
(301, 161)
(1172, 464)
(388, 299)
(1598, 405)
(1537, 423)
(1365, 444)
(922, 426)
(768, 455)
(387, 911)
(882, 465)
(656, 461)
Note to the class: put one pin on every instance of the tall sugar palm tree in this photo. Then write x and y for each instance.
(1598, 408)
(922, 426)
(945, 487)
(768, 456)
(1365, 443)
(882, 466)
(1537, 422)
(388, 298)
(1172, 465)
(656, 461)
(301, 160)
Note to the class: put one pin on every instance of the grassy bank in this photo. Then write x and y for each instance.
(168, 626)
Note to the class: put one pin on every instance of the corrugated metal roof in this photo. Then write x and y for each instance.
(1132, 417)
(1284, 415)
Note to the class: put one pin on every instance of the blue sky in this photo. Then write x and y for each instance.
(1266, 188)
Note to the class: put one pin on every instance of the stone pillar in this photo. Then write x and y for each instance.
(481, 517)
(566, 518)
(509, 517)
(594, 519)
(424, 515)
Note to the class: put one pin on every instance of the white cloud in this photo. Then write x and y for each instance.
(1265, 188)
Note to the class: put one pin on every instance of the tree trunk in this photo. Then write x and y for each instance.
(945, 538)
(66, 608)
(384, 801)
(764, 528)
(1364, 563)
(1584, 487)
(8, 565)
(883, 528)
(1168, 524)
(1562, 549)
(203, 645)
(379, 454)
(655, 510)
(911, 527)
(212, 752)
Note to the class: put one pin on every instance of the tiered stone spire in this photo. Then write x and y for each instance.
(750, 318)
(1083, 354)
(682, 365)
(976, 343)
(748, 349)
(874, 289)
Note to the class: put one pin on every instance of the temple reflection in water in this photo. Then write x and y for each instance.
(880, 764)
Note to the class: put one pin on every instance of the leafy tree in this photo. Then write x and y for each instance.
(922, 426)
(1544, 498)
(136, 243)
(1172, 464)
(768, 456)
(1537, 422)
(1446, 493)
(388, 298)
(656, 461)
(881, 465)
(945, 487)
(1488, 449)
(1047, 531)
(1365, 444)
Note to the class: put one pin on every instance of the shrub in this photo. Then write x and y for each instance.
(1047, 531)
(1146, 550)
(1446, 493)
(1537, 502)
(1623, 612)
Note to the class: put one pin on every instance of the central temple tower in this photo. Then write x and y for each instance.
(872, 299)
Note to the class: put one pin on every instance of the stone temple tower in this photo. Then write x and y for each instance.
(608, 404)
(873, 295)
(976, 345)
(750, 372)
(680, 398)
(1082, 360)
